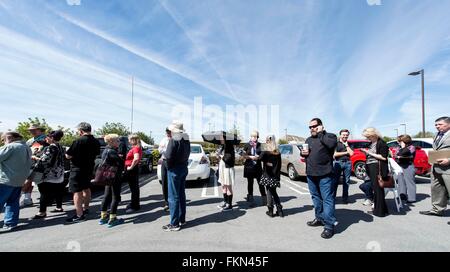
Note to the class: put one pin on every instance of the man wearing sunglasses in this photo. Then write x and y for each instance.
(319, 171)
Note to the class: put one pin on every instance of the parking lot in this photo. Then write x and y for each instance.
(243, 229)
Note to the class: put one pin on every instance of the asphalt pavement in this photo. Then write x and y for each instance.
(245, 228)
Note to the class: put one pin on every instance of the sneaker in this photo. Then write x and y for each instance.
(39, 216)
(367, 202)
(227, 208)
(115, 222)
(26, 203)
(103, 221)
(170, 227)
(76, 219)
(221, 206)
(7, 228)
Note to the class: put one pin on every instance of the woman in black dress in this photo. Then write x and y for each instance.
(271, 159)
(377, 164)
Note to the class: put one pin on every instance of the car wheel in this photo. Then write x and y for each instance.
(292, 173)
(360, 170)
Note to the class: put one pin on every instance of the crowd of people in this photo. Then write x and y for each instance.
(40, 161)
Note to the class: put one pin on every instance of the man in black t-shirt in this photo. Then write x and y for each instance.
(82, 154)
(343, 164)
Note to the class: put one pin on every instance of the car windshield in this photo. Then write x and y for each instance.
(196, 149)
(355, 145)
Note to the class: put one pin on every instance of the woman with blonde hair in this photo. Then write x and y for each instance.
(131, 173)
(271, 159)
(377, 164)
(111, 197)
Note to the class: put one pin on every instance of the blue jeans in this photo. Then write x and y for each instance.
(177, 195)
(322, 193)
(9, 199)
(345, 168)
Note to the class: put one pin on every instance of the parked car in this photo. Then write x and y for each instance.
(292, 163)
(359, 158)
(198, 165)
(146, 163)
(426, 144)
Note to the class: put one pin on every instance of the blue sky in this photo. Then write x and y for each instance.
(344, 61)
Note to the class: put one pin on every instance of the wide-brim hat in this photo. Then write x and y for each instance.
(176, 127)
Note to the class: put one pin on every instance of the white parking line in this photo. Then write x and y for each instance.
(216, 189)
(295, 190)
(298, 186)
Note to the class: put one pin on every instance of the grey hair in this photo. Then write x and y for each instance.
(444, 118)
(85, 127)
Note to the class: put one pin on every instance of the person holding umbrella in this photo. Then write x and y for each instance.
(227, 158)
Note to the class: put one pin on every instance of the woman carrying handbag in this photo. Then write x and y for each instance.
(111, 197)
(377, 166)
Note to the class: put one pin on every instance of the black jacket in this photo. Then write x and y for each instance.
(273, 170)
(228, 153)
(111, 157)
(383, 150)
(178, 151)
(321, 150)
(252, 168)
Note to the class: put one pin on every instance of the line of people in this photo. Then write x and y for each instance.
(326, 156)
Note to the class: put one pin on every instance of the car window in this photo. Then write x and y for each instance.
(426, 145)
(289, 149)
(196, 149)
(393, 145)
(356, 145)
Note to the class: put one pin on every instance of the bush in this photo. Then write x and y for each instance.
(156, 156)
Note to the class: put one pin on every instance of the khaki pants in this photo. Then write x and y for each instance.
(440, 189)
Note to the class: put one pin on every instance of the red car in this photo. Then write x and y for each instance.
(359, 158)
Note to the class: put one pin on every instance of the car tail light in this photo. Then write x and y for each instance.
(204, 160)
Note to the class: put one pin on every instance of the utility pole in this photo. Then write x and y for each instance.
(132, 103)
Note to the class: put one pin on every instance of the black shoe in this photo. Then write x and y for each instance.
(76, 219)
(345, 201)
(315, 223)
(403, 197)
(280, 211)
(270, 212)
(170, 227)
(327, 234)
(430, 213)
(86, 212)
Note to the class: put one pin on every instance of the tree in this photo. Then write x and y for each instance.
(113, 128)
(146, 138)
(428, 134)
(69, 136)
(22, 127)
(282, 141)
(235, 130)
(388, 139)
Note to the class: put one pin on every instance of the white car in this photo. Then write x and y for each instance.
(199, 166)
(426, 144)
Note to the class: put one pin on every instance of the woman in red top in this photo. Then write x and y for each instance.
(131, 174)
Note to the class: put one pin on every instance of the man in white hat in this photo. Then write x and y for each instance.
(177, 156)
(37, 144)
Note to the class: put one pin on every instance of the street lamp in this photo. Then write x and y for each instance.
(396, 129)
(421, 72)
(405, 127)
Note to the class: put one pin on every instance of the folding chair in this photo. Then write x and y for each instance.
(396, 170)
(397, 199)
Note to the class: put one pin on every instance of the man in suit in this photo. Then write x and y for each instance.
(440, 176)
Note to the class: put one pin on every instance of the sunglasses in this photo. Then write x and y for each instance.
(311, 127)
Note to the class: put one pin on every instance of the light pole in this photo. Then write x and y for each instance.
(421, 72)
(132, 103)
(286, 134)
(396, 129)
(405, 127)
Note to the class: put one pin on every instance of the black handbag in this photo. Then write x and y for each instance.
(105, 175)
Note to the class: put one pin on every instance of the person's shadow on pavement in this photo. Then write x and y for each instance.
(346, 218)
